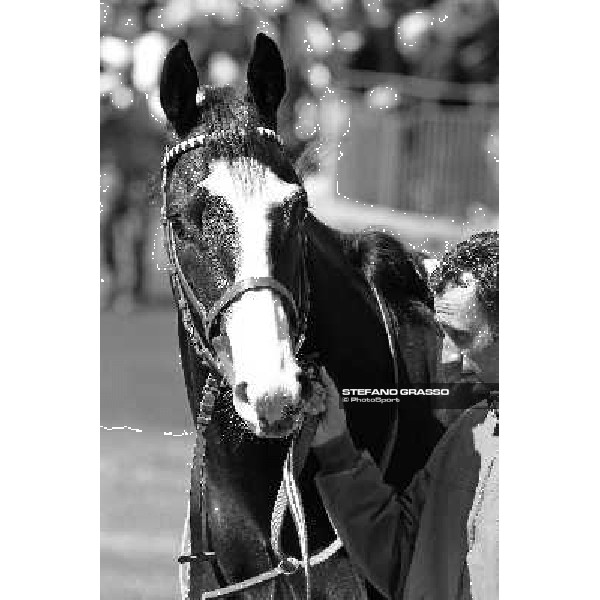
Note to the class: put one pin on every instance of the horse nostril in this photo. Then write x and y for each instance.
(241, 392)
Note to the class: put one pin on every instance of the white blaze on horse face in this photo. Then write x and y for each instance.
(256, 324)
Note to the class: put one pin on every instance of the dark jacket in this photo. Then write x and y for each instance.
(438, 540)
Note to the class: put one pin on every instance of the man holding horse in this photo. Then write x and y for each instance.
(438, 538)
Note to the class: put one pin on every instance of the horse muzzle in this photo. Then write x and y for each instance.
(276, 413)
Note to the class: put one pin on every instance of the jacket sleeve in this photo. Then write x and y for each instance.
(377, 526)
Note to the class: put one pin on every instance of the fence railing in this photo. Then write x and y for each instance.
(435, 152)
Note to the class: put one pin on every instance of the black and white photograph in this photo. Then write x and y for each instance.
(299, 299)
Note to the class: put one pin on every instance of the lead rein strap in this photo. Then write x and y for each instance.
(246, 583)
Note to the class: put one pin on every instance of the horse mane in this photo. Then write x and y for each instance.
(401, 279)
(395, 271)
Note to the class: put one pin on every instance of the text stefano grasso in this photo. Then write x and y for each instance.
(395, 392)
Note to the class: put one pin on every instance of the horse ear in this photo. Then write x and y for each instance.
(266, 77)
(178, 86)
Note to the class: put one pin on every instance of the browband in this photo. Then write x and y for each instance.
(199, 140)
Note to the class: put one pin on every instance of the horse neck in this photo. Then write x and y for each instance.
(343, 305)
(347, 331)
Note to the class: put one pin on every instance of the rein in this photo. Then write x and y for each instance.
(216, 382)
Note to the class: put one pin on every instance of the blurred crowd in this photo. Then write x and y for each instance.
(453, 41)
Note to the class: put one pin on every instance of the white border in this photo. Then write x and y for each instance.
(50, 327)
(548, 192)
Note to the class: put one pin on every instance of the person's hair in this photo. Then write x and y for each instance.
(479, 256)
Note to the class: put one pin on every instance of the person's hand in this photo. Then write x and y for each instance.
(333, 421)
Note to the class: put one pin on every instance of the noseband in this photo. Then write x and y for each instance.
(184, 295)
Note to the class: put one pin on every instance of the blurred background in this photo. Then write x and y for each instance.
(398, 100)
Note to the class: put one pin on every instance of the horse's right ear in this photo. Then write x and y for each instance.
(266, 78)
(178, 86)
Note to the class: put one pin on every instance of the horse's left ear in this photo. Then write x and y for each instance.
(266, 77)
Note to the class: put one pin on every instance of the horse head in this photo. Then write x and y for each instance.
(236, 207)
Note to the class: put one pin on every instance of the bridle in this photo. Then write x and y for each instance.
(216, 383)
(183, 292)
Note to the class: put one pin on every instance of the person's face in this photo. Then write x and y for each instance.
(470, 351)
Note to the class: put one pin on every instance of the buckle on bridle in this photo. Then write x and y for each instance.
(288, 565)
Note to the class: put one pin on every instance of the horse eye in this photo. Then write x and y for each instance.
(196, 209)
(179, 228)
